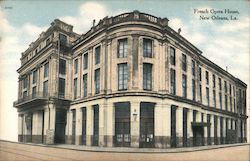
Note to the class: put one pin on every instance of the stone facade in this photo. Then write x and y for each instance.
(131, 81)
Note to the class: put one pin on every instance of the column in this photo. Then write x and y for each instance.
(158, 125)
(218, 130)
(110, 123)
(34, 127)
(224, 130)
(68, 138)
(90, 125)
(166, 125)
(135, 124)
(179, 126)
(189, 127)
(50, 116)
(102, 124)
(108, 55)
(212, 125)
(20, 127)
(78, 136)
(205, 129)
(135, 62)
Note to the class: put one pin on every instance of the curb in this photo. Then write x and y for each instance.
(133, 150)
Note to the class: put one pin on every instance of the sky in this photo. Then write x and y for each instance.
(225, 42)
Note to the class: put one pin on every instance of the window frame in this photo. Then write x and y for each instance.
(97, 55)
(147, 50)
(124, 43)
(122, 77)
(172, 53)
(184, 62)
(147, 76)
(97, 80)
(62, 66)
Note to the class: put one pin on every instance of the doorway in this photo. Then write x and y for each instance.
(146, 125)
(60, 125)
(198, 135)
(122, 124)
(96, 126)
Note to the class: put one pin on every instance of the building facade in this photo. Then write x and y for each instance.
(130, 81)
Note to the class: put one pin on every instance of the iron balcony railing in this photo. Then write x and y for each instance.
(41, 96)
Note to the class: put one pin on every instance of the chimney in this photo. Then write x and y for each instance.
(94, 23)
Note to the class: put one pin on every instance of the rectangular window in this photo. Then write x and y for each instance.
(194, 115)
(61, 87)
(214, 98)
(172, 56)
(46, 70)
(62, 39)
(193, 89)
(226, 102)
(85, 61)
(214, 83)
(47, 41)
(207, 77)
(220, 99)
(184, 62)
(122, 76)
(97, 81)
(172, 82)
(85, 85)
(25, 82)
(225, 86)
(62, 66)
(34, 77)
(231, 106)
(184, 85)
(97, 54)
(34, 92)
(207, 95)
(193, 67)
(122, 48)
(147, 48)
(200, 74)
(75, 88)
(230, 89)
(45, 89)
(76, 66)
(234, 106)
(219, 83)
(200, 93)
(147, 76)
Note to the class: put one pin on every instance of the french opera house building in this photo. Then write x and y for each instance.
(130, 81)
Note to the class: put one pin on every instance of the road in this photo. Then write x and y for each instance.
(23, 152)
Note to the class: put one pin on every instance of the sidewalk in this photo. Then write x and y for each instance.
(142, 150)
(130, 149)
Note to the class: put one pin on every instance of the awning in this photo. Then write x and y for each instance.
(200, 124)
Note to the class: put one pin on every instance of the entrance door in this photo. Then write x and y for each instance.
(84, 117)
(173, 126)
(96, 126)
(60, 126)
(198, 135)
(146, 125)
(122, 124)
(73, 126)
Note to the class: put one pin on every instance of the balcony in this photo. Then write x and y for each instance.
(39, 98)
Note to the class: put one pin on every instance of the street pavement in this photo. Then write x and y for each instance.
(10, 151)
